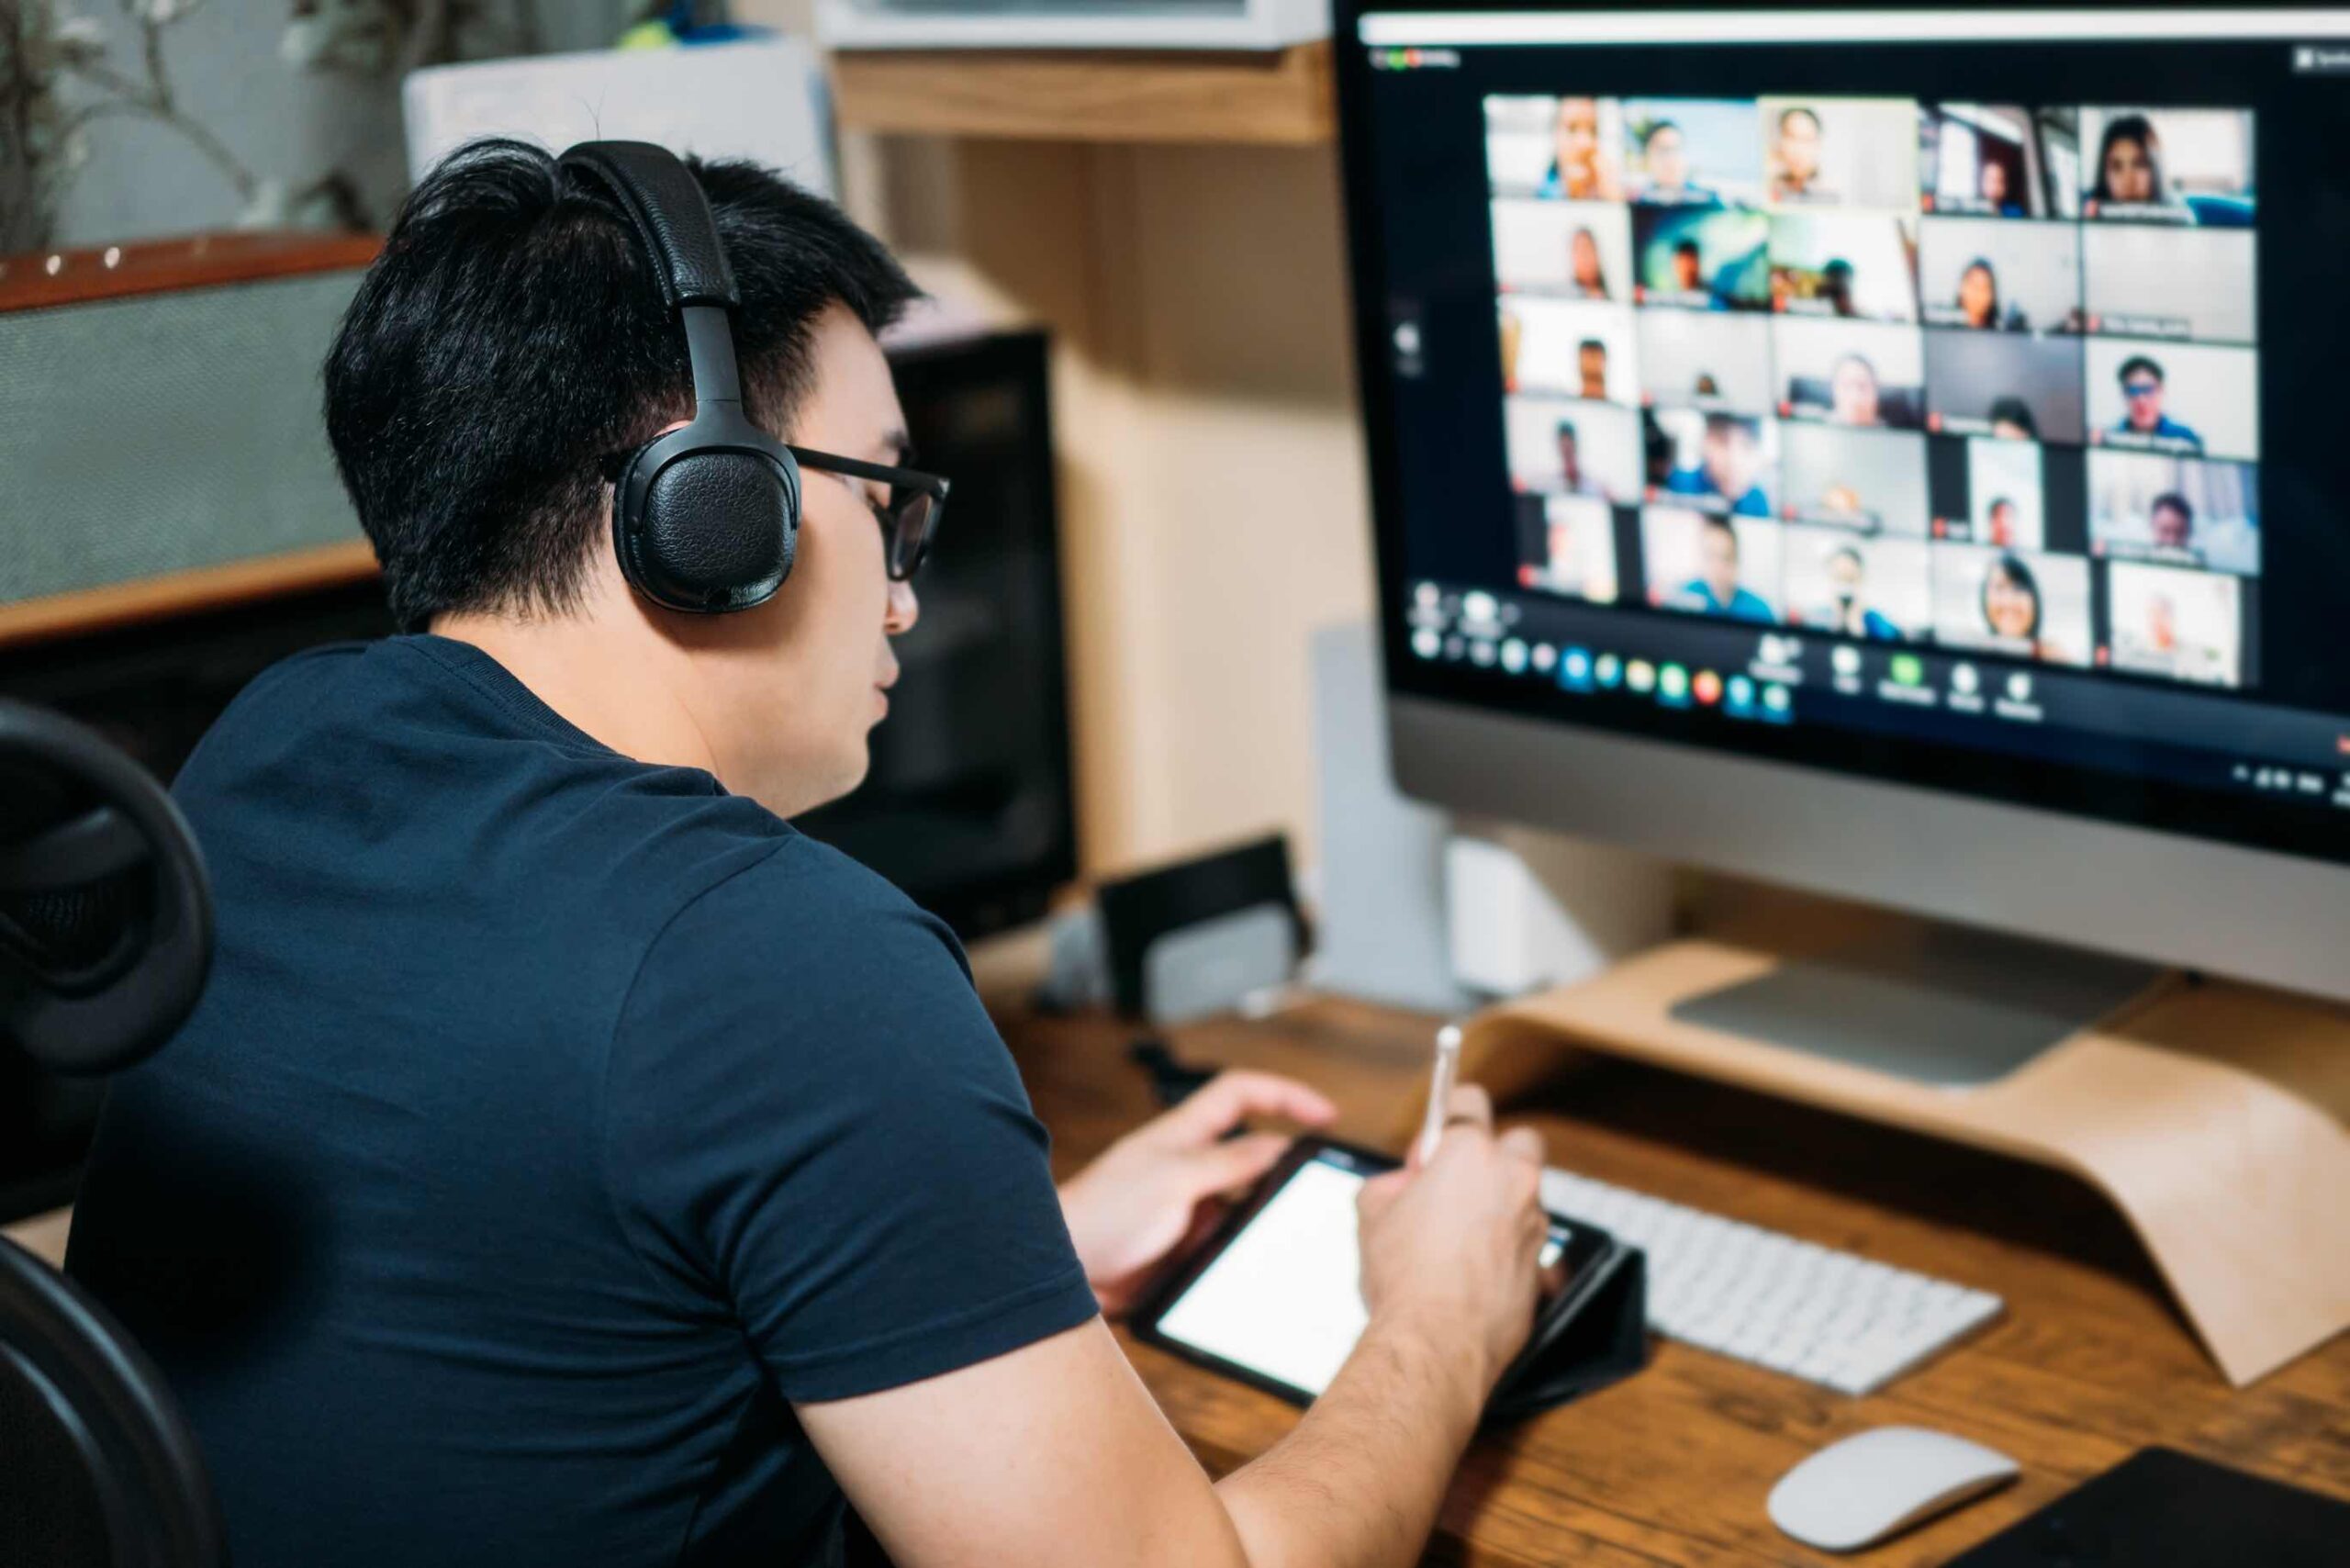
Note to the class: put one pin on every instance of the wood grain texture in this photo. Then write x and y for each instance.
(37, 279)
(1282, 98)
(2088, 1364)
(186, 593)
(2211, 1115)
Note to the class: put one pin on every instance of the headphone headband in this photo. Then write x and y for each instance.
(705, 519)
(665, 204)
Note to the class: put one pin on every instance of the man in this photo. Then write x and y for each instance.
(1715, 590)
(1848, 613)
(570, 1163)
(1665, 152)
(1729, 467)
(2171, 520)
(1591, 368)
(2142, 419)
(1795, 159)
(1688, 267)
(1571, 477)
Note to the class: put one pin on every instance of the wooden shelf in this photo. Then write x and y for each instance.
(186, 593)
(1279, 98)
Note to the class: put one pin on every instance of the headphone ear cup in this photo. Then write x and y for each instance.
(708, 531)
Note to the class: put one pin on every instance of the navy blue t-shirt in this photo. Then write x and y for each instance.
(552, 1124)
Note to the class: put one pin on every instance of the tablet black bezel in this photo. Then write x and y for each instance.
(1585, 1246)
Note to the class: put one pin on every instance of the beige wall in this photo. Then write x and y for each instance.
(1211, 487)
(1213, 507)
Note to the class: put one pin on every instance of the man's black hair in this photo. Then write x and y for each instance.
(510, 338)
(1787, 114)
(2176, 502)
(2015, 411)
(2135, 362)
(1591, 344)
(1659, 128)
(1566, 428)
(1685, 248)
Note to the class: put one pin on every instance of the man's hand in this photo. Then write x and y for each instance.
(1452, 1249)
(1164, 1183)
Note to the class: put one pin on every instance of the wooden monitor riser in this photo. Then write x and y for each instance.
(2212, 1115)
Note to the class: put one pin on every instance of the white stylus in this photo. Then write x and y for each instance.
(1448, 1067)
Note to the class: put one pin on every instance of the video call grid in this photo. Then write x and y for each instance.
(1873, 504)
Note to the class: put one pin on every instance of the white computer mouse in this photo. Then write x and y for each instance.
(1857, 1492)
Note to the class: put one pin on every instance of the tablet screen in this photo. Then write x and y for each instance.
(1285, 1300)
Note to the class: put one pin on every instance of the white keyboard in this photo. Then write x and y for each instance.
(1770, 1299)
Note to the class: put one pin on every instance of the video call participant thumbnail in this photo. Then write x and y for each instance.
(1692, 151)
(2016, 493)
(1705, 563)
(1567, 545)
(1702, 258)
(2176, 622)
(1862, 374)
(2176, 510)
(1571, 447)
(2012, 602)
(1573, 348)
(1841, 152)
(1878, 590)
(2188, 399)
(1869, 479)
(1998, 159)
(1555, 148)
(1582, 249)
(1697, 359)
(2006, 493)
(1720, 461)
(2139, 280)
(1989, 276)
(2183, 166)
(1976, 381)
(1844, 263)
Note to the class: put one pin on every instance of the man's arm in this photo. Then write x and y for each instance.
(1056, 1454)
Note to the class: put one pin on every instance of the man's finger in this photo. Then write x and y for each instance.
(1524, 1143)
(1228, 1167)
(1469, 1107)
(1380, 1191)
(1227, 1099)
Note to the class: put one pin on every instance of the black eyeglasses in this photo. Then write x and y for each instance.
(909, 519)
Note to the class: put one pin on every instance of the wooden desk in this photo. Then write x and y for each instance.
(2089, 1363)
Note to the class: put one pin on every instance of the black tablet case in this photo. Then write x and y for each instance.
(2160, 1508)
(1600, 1338)
(1593, 1335)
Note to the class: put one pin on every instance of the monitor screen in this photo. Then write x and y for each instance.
(1937, 397)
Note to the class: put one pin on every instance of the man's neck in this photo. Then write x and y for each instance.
(613, 683)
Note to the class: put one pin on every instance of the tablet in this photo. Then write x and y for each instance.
(1273, 1297)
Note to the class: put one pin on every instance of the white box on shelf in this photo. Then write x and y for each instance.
(757, 98)
(1058, 24)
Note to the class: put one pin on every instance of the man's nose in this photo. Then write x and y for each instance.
(905, 609)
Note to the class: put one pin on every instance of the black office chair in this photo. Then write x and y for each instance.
(106, 937)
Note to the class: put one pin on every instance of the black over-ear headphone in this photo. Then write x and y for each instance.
(705, 519)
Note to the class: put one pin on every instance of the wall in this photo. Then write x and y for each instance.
(1211, 473)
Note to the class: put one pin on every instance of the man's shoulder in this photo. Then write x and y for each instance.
(803, 920)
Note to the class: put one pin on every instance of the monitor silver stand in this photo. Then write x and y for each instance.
(1933, 1003)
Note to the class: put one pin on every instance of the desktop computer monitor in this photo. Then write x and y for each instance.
(1895, 452)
